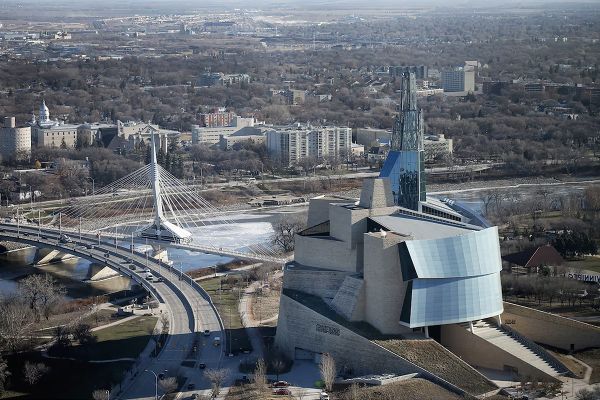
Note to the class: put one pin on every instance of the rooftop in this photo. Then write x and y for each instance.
(421, 228)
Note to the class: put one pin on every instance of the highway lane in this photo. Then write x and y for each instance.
(188, 307)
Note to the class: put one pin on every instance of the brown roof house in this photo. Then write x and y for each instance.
(530, 260)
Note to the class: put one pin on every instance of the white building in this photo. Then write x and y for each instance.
(48, 133)
(14, 142)
(212, 135)
(295, 143)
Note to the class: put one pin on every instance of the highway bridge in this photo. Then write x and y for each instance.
(189, 307)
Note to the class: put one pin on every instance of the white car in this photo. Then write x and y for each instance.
(323, 396)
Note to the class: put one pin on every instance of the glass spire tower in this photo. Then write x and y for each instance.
(404, 165)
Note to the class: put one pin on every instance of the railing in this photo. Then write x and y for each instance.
(537, 349)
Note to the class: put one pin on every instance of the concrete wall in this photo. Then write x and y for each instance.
(349, 301)
(550, 329)
(326, 253)
(318, 209)
(324, 284)
(301, 327)
(384, 287)
(479, 352)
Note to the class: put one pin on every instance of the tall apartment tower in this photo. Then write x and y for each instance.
(15, 142)
(405, 164)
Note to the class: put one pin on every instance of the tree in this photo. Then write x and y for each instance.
(588, 394)
(100, 394)
(83, 334)
(41, 292)
(34, 371)
(260, 378)
(216, 378)
(168, 384)
(61, 336)
(284, 231)
(327, 370)
(4, 374)
(15, 320)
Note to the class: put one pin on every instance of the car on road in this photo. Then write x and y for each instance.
(202, 365)
(217, 341)
(147, 271)
(195, 396)
(191, 386)
(107, 255)
(132, 267)
(159, 279)
(150, 277)
(323, 396)
(282, 392)
(89, 246)
(161, 376)
(64, 239)
(206, 332)
(281, 384)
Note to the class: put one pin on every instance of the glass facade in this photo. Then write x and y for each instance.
(406, 171)
(453, 279)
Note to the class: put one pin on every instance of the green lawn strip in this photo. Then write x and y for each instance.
(65, 379)
(125, 340)
(226, 303)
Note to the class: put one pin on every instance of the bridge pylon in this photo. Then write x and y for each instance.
(160, 228)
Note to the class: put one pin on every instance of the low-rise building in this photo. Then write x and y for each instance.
(212, 135)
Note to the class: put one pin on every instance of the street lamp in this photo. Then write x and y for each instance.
(155, 383)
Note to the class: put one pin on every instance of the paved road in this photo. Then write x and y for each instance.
(188, 309)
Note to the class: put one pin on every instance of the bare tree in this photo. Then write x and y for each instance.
(164, 322)
(327, 369)
(83, 333)
(34, 371)
(4, 374)
(168, 384)
(284, 231)
(216, 378)
(15, 320)
(260, 377)
(41, 292)
(100, 394)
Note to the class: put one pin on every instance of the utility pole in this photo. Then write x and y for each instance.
(131, 243)
(18, 223)
(79, 228)
(39, 224)
(60, 223)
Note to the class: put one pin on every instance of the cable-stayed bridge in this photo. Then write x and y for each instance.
(152, 206)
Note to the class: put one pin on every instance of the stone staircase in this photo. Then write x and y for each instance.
(513, 343)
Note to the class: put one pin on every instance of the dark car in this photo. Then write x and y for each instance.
(107, 255)
(202, 365)
(280, 384)
(282, 392)
(89, 246)
(161, 376)
(191, 386)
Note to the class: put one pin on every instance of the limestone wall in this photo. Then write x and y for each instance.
(324, 284)
(318, 209)
(349, 301)
(301, 327)
(384, 287)
(325, 253)
(480, 353)
(550, 329)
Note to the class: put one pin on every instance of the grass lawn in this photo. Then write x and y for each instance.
(415, 388)
(591, 358)
(226, 301)
(432, 356)
(127, 339)
(588, 263)
(65, 379)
